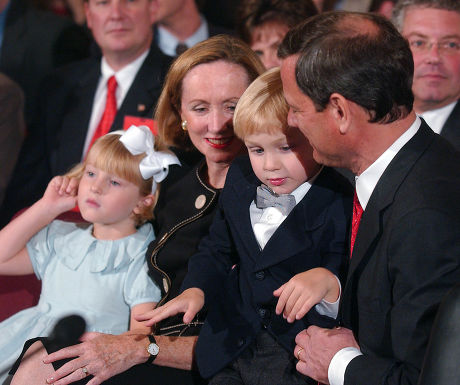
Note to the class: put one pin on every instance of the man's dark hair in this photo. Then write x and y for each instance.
(372, 68)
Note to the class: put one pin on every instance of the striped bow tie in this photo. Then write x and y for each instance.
(266, 197)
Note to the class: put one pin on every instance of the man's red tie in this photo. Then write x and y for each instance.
(357, 214)
(109, 112)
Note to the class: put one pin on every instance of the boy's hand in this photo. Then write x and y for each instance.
(189, 302)
(61, 194)
(305, 290)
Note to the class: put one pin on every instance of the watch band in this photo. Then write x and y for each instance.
(152, 342)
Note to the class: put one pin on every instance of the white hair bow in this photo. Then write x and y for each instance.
(138, 140)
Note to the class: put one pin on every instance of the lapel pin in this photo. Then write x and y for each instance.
(141, 107)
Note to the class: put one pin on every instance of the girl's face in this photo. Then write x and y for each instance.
(209, 95)
(109, 202)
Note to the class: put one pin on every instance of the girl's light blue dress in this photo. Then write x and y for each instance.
(99, 280)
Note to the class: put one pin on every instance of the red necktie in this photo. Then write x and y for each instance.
(357, 213)
(109, 112)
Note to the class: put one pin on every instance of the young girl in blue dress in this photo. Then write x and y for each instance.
(96, 270)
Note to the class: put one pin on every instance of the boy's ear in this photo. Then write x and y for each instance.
(146, 201)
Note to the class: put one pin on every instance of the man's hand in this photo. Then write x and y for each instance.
(316, 347)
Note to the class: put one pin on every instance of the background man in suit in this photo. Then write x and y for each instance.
(432, 28)
(180, 26)
(347, 78)
(77, 100)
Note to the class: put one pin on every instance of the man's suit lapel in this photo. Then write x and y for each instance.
(144, 91)
(74, 128)
(372, 221)
(451, 128)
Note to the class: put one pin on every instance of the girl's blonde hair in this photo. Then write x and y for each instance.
(110, 155)
(262, 108)
(220, 47)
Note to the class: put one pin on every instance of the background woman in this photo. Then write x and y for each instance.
(263, 23)
(195, 112)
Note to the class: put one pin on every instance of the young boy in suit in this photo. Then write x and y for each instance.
(269, 266)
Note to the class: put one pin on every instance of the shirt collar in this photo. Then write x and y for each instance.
(366, 182)
(125, 76)
(437, 118)
(168, 42)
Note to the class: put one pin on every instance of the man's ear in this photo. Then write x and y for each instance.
(146, 201)
(89, 21)
(153, 10)
(340, 110)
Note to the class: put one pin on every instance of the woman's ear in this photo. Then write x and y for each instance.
(146, 201)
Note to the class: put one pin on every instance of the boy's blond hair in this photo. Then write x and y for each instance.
(262, 107)
(110, 155)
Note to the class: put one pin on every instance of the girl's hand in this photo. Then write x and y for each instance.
(61, 194)
(305, 290)
(189, 302)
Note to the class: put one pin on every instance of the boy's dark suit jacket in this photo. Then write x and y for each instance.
(238, 279)
(451, 128)
(55, 142)
(405, 259)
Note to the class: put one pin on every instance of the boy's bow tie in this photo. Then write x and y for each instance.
(266, 197)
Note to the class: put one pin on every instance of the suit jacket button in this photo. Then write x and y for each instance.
(200, 201)
(240, 342)
(260, 275)
(262, 312)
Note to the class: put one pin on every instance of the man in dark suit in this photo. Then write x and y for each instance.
(432, 28)
(347, 79)
(74, 97)
(179, 25)
(34, 43)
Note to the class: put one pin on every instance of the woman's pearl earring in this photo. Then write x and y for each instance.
(184, 125)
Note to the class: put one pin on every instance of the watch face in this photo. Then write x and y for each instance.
(153, 349)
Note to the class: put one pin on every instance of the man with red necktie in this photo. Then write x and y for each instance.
(347, 78)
